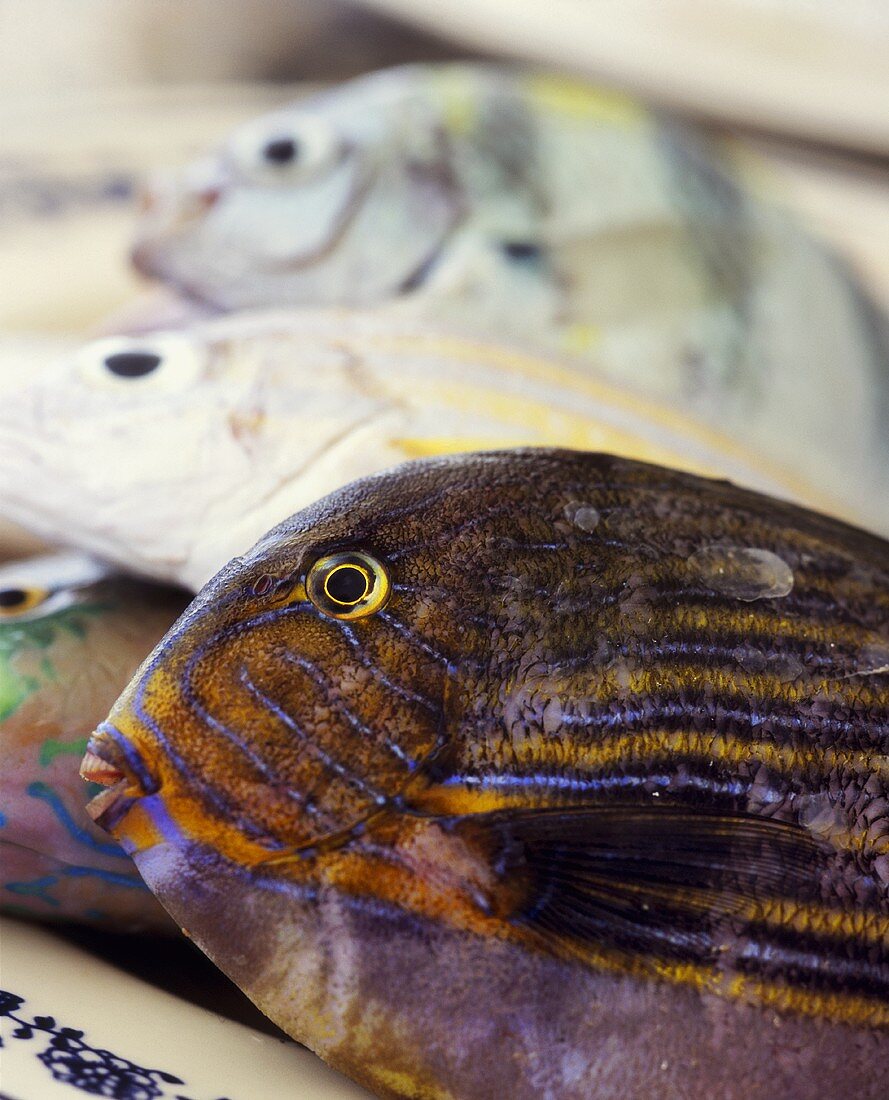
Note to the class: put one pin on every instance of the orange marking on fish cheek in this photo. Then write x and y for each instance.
(138, 830)
(420, 868)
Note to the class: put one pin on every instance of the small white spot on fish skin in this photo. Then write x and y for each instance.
(747, 573)
(582, 515)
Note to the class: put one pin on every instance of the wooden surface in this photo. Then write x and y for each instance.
(817, 69)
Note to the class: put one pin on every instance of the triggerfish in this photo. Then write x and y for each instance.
(172, 452)
(72, 632)
(533, 774)
(525, 207)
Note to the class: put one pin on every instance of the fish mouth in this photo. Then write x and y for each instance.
(113, 763)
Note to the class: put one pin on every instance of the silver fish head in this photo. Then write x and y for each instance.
(137, 448)
(342, 198)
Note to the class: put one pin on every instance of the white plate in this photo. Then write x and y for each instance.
(69, 1021)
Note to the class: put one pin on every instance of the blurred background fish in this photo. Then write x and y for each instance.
(525, 207)
(172, 452)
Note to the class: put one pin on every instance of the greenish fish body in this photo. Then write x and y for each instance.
(71, 634)
(530, 209)
(533, 773)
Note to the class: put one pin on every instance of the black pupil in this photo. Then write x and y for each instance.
(522, 250)
(280, 151)
(12, 597)
(132, 364)
(347, 585)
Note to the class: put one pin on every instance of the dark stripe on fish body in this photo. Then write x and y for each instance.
(823, 963)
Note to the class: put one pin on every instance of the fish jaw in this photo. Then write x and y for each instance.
(213, 235)
(52, 439)
(112, 762)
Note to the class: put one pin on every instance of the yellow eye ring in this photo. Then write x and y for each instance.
(15, 602)
(348, 585)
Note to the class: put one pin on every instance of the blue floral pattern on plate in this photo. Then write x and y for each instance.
(72, 1061)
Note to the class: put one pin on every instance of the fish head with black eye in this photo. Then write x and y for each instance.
(338, 200)
(144, 448)
(86, 443)
(72, 631)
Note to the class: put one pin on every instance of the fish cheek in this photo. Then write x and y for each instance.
(365, 712)
(280, 731)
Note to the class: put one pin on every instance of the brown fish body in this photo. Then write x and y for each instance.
(594, 800)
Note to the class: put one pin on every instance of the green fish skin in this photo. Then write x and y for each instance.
(533, 773)
(530, 209)
(71, 634)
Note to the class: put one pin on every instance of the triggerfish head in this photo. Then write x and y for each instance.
(528, 208)
(172, 452)
(533, 773)
(72, 632)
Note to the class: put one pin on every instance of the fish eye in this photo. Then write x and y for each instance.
(349, 585)
(167, 361)
(283, 150)
(132, 364)
(16, 602)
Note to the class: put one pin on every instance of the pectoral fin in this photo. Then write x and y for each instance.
(659, 883)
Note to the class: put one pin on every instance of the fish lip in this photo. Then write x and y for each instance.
(108, 807)
(104, 761)
(112, 761)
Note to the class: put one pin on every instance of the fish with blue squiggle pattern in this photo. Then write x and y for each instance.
(71, 632)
